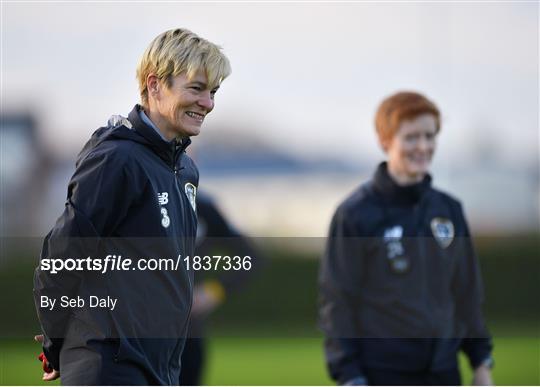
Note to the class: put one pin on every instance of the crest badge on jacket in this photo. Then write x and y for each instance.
(443, 231)
(191, 193)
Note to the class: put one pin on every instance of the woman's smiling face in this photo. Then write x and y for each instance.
(182, 105)
(411, 149)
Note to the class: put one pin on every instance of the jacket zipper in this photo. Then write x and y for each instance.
(176, 172)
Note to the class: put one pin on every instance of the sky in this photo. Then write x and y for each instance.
(307, 77)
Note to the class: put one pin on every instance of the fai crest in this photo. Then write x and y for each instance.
(191, 193)
(443, 231)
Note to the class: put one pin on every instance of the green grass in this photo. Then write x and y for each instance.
(280, 361)
(19, 365)
(269, 361)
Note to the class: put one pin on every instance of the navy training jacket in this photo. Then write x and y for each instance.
(400, 285)
(132, 194)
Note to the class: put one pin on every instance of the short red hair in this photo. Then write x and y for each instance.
(402, 106)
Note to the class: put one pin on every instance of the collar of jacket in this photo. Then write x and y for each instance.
(168, 151)
(394, 193)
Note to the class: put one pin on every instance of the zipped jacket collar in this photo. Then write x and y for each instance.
(168, 151)
(395, 193)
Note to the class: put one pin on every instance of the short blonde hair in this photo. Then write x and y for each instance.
(180, 51)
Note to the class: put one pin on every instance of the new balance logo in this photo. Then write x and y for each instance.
(163, 198)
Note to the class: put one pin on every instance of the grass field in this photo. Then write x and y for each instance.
(280, 361)
(279, 315)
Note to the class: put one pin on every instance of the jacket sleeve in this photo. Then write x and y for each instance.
(339, 298)
(469, 293)
(97, 201)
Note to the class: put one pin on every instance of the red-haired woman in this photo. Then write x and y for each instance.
(400, 285)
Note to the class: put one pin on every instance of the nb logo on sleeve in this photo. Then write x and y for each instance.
(163, 198)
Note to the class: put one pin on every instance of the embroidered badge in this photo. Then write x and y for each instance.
(191, 193)
(443, 231)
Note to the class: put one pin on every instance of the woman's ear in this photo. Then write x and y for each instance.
(153, 85)
(384, 143)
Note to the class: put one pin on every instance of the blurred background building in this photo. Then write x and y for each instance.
(292, 132)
